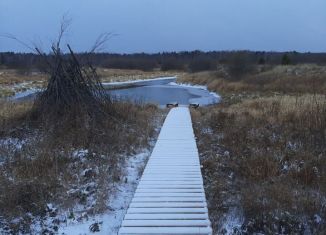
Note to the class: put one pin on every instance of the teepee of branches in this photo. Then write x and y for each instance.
(74, 90)
(71, 87)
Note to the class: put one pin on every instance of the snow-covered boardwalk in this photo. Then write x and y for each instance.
(170, 197)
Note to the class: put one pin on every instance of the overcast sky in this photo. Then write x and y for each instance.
(170, 25)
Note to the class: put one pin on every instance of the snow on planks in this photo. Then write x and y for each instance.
(170, 197)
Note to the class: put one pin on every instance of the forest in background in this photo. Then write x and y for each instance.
(194, 61)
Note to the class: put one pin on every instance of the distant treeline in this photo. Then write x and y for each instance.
(193, 61)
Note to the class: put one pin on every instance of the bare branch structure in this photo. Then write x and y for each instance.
(74, 92)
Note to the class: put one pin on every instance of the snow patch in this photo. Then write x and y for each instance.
(12, 142)
(80, 154)
(110, 221)
(232, 221)
(186, 85)
(28, 92)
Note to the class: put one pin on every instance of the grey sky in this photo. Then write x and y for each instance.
(170, 25)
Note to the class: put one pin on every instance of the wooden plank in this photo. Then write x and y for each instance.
(173, 164)
(170, 171)
(166, 216)
(163, 168)
(168, 199)
(174, 182)
(175, 160)
(169, 194)
(166, 223)
(167, 205)
(181, 174)
(166, 179)
(175, 171)
(167, 210)
(172, 187)
(151, 175)
(169, 190)
(170, 231)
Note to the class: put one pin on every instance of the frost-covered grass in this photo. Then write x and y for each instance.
(264, 164)
(117, 204)
(54, 178)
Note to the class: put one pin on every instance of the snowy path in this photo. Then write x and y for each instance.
(170, 197)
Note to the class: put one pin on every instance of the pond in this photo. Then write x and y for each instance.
(163, 94)
(160, 91)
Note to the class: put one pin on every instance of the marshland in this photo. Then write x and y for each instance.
(78, 125)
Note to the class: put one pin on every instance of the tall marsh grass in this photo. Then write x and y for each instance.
(274, 150)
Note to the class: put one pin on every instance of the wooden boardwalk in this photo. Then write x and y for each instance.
(170, 197)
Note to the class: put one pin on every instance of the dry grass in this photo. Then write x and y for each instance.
(268, 157)
(263, 149)
(72, 166)
(11, 115)
(120, 75)
(11, 81)
(282, 79)
(11, 77)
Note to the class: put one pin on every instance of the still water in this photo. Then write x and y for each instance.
(159, 91)
(164, 94)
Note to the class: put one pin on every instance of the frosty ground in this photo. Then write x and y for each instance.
(54, 183)
(109, 222)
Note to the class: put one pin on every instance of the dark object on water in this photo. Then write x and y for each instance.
(194, 105)
(172, 104)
